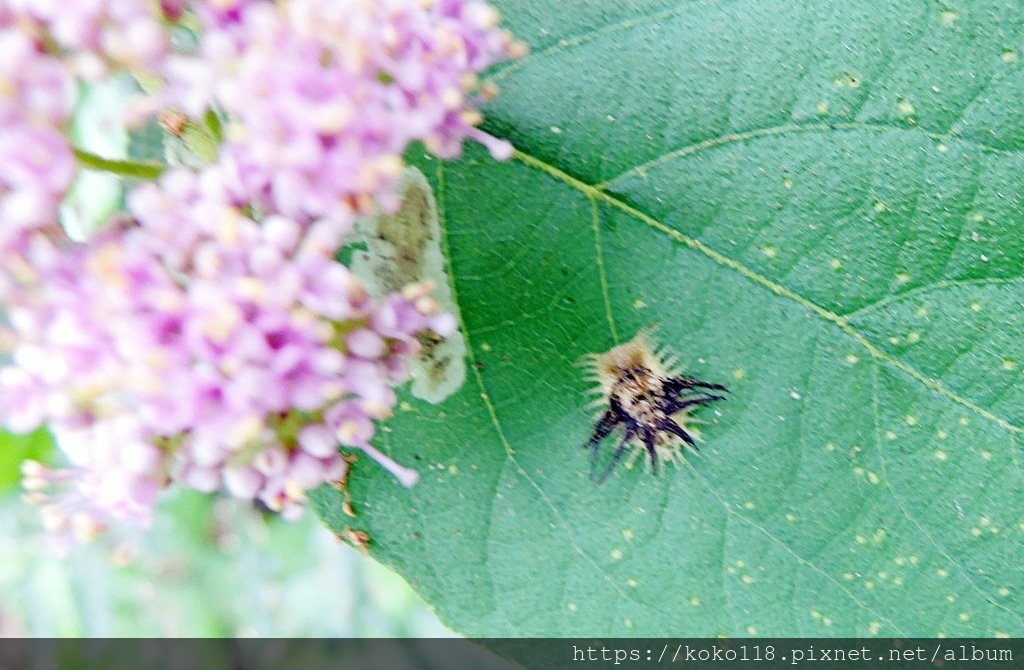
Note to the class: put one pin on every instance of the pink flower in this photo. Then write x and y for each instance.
(191, 344)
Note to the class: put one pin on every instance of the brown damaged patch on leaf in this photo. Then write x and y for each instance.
(357, 538)
(342, 485)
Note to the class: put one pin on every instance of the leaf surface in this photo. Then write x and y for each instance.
(818, 205)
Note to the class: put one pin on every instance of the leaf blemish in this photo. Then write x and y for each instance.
(848, 80)
(403, 249)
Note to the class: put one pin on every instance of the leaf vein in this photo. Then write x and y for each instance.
(931, 286)
(602, 271)
(592, 34)
(732, 513)
(965, 574)
(787, 129)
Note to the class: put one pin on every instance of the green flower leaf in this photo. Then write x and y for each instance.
(819, 205)
(16, 448)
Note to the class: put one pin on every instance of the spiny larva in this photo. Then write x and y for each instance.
(641, 390)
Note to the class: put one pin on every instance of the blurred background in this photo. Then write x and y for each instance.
(209, 567)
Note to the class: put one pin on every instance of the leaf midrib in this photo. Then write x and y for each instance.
(596, 194)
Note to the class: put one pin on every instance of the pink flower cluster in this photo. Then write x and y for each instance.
(97, 36)
(326, 96)
(208, 337)
(190, 343)
(37, 165)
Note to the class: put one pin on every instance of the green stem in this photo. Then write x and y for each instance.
(139, 170)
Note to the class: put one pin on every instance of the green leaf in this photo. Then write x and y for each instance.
(16, 448)
(819, 205)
